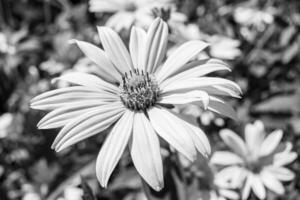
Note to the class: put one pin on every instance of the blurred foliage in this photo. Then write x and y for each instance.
(260, 40)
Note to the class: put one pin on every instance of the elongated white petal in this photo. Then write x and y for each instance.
(270, 143)
(247, 187)
(258, 187)
(221, 107)
(234, 142)
(137, 47)
(209, 66)
(286, 158)
(87, 125)
(221, 90)
(225, 158)
(88, 80)
(107, 70)
(281, 173)
(157, 40)
(229, 194)
(200, 140)
(254, 136)
(271, 182)
(180, 57)
(67, 96)
(115, 49)
(185, 98)
(171, 129)
(61, 116)
(145, 152)
(113, 147)
(198, 136)
(199, 83)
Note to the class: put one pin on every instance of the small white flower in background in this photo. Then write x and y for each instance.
(11, 125)
(135, 91)
(128, 12)
(220, 46)
(31, 196)
(248, 16)
(224, 47)
(258, 163)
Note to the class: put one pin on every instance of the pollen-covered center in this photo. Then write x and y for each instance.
(139, 90)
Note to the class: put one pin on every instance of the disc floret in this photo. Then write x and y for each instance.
(139, 90)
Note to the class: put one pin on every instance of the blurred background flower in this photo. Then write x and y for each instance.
(256, 163)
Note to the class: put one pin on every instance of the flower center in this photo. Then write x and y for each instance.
(254, 165)
(139, 90)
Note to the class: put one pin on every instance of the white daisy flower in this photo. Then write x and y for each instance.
(134, 91)
(127, 12)
(258, 163)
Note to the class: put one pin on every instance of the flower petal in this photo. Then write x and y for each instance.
(225, 158)
(156, 45)
(67, 96)
(270, 143)
(185, 98)
(199, 70)
(271, 182)
(198, 136)
(115, 49)
(285, 158)
(254, 136)
(258, 187)
(234, 142)
(114, 147)
(137, 47)
(88, 125)
(200, 84)
(63, 115)
(145, 152)
(179, 58)
(200, 140)
(171, 129)
(107, 70)
(281, 173)
(221, 107)
(247, 187)
(229, 194)
(87, 80)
